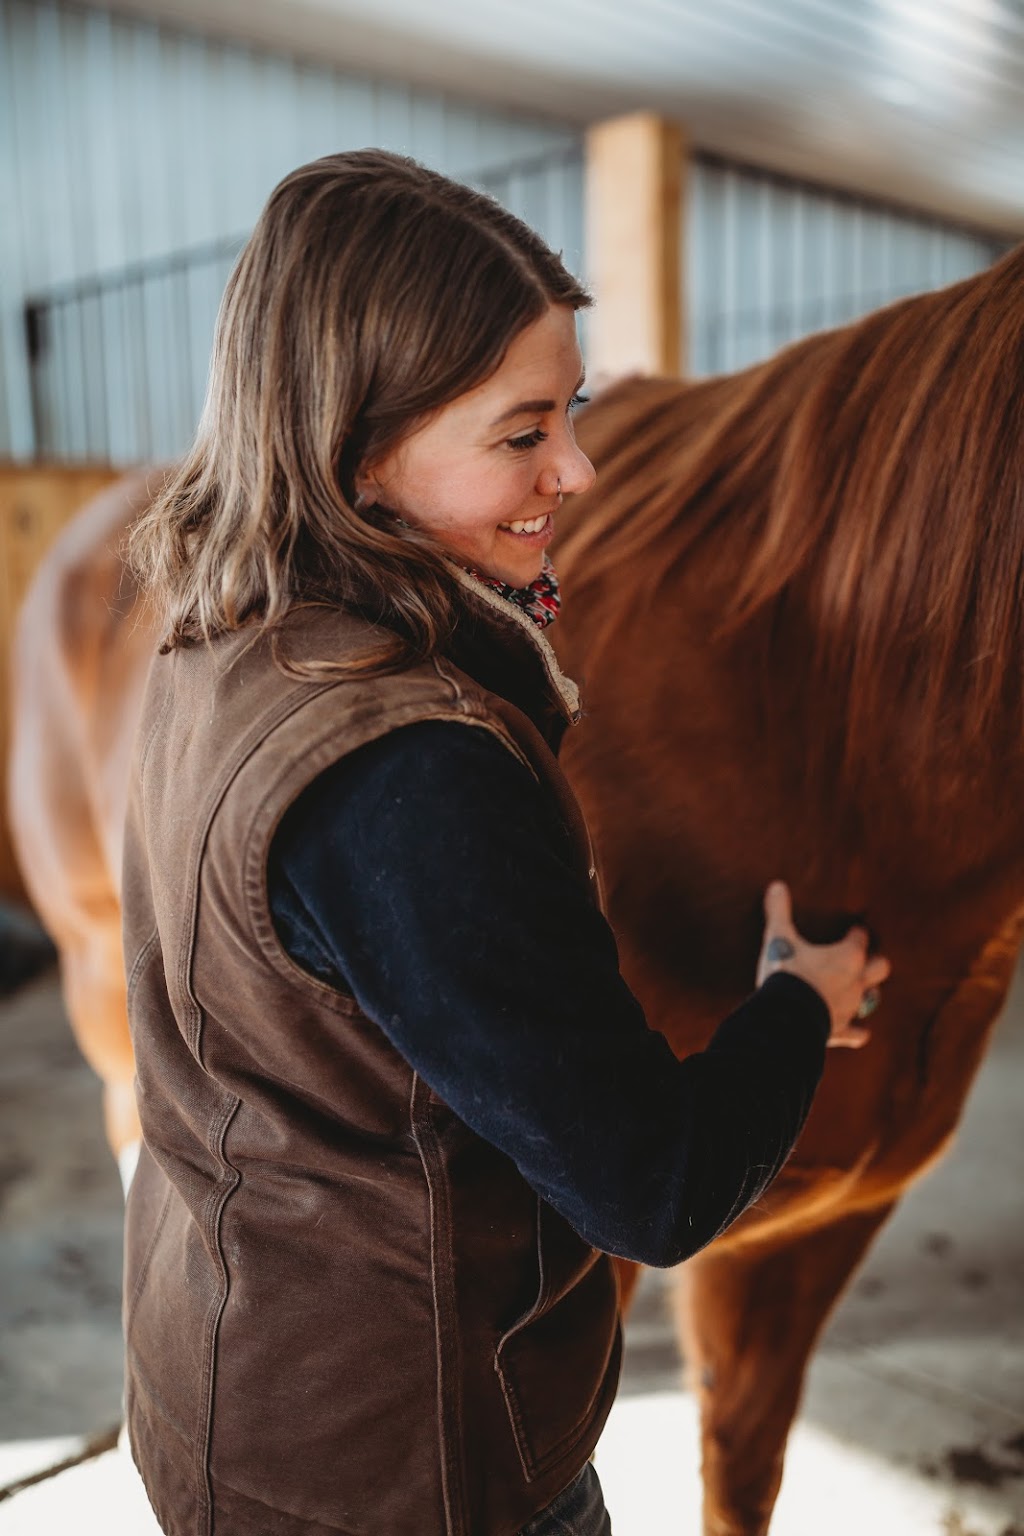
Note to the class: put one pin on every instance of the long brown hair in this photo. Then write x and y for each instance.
(372, 292)
(859, 501)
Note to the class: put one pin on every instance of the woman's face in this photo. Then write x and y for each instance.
(490, 461)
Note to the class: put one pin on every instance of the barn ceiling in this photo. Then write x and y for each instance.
(917, 100)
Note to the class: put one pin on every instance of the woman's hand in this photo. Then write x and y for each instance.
(842, 973)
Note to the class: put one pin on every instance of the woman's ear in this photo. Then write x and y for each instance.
(367, 493)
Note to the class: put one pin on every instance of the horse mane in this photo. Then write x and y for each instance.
(861, 493)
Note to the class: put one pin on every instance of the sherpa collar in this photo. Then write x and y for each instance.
(511, 621)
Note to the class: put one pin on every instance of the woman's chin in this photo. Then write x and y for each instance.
(522, 577)
(520, 571)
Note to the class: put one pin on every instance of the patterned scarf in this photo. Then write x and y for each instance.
(540, 601)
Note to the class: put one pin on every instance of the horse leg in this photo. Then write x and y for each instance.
(95, 995)
(748, 1316)
(628, 1275)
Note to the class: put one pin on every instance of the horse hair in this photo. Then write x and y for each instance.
(866, 484)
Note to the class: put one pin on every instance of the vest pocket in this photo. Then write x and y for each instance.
(558, 1362)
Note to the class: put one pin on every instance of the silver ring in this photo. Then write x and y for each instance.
(869, 1002)
(558, 490)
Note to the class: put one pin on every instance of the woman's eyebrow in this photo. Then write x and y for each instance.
(533, 407)
(525, 408)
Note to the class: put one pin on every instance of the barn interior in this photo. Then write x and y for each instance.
(728, 179)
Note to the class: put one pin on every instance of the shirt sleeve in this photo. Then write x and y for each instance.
(427, 874)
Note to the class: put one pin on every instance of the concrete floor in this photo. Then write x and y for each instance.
(913, 1422)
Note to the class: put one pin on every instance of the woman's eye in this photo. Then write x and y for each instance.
(578, 400)
(529, 441)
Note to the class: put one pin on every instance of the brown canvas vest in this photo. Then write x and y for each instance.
(344, 1311)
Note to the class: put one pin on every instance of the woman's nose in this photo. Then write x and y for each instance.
(573, 469)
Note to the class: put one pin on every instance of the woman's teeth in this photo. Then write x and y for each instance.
(529, 525)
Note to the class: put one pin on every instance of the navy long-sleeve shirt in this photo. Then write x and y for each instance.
(427, 875)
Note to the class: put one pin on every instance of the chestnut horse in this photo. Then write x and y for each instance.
(795, 608)
(794, 605)
(81, 656)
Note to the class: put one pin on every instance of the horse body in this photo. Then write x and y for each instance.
(81, 658)
(793, 607)
(798, 664)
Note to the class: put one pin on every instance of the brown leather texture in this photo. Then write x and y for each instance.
(344, 1311)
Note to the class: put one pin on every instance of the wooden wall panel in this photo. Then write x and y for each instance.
(36, 500)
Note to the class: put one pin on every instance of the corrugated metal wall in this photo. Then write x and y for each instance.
(118, 363)
(770, 259)
(134, 160)
(123, 143)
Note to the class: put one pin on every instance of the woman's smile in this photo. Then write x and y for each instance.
(538, 531)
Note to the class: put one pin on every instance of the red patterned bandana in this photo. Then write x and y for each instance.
(541, 600)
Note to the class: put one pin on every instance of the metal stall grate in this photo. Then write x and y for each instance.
(770, 259)
(119, 362)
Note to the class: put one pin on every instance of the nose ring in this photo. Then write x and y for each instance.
(558, 490)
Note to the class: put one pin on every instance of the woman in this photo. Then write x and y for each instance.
(398, 1105)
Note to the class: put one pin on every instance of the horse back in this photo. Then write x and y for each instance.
(81, 651)
(697, 767)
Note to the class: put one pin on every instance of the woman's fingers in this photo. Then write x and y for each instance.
(858, 937)
(778, 910)
(850, 1036)
(876, 971)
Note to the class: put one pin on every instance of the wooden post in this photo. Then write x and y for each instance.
(36, 500)
(634, 188)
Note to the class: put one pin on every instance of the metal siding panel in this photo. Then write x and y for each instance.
(746, 321)
(427, 132)
(51, 124)
(16, 430)
(76, 382)
(765, 280)
(45, 385)
(148, 151)
(93, 381)
(823, 259)
(65, 419)
(691, 245)
(123, 167)
(206, 281)
(463, 152)
(116, 448)
(32, 143)
(76, 128)
(730, 273)
(240, 128)
(714, 267)
(104, 186)
(394, 119)
(7, 450)
(317, 135)
(134, 141)
(277, 134)
(354, 113)
(195, 131)
(496, 144)
(812, 308)
(172, 62)
(575, 252)
(133, 331)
